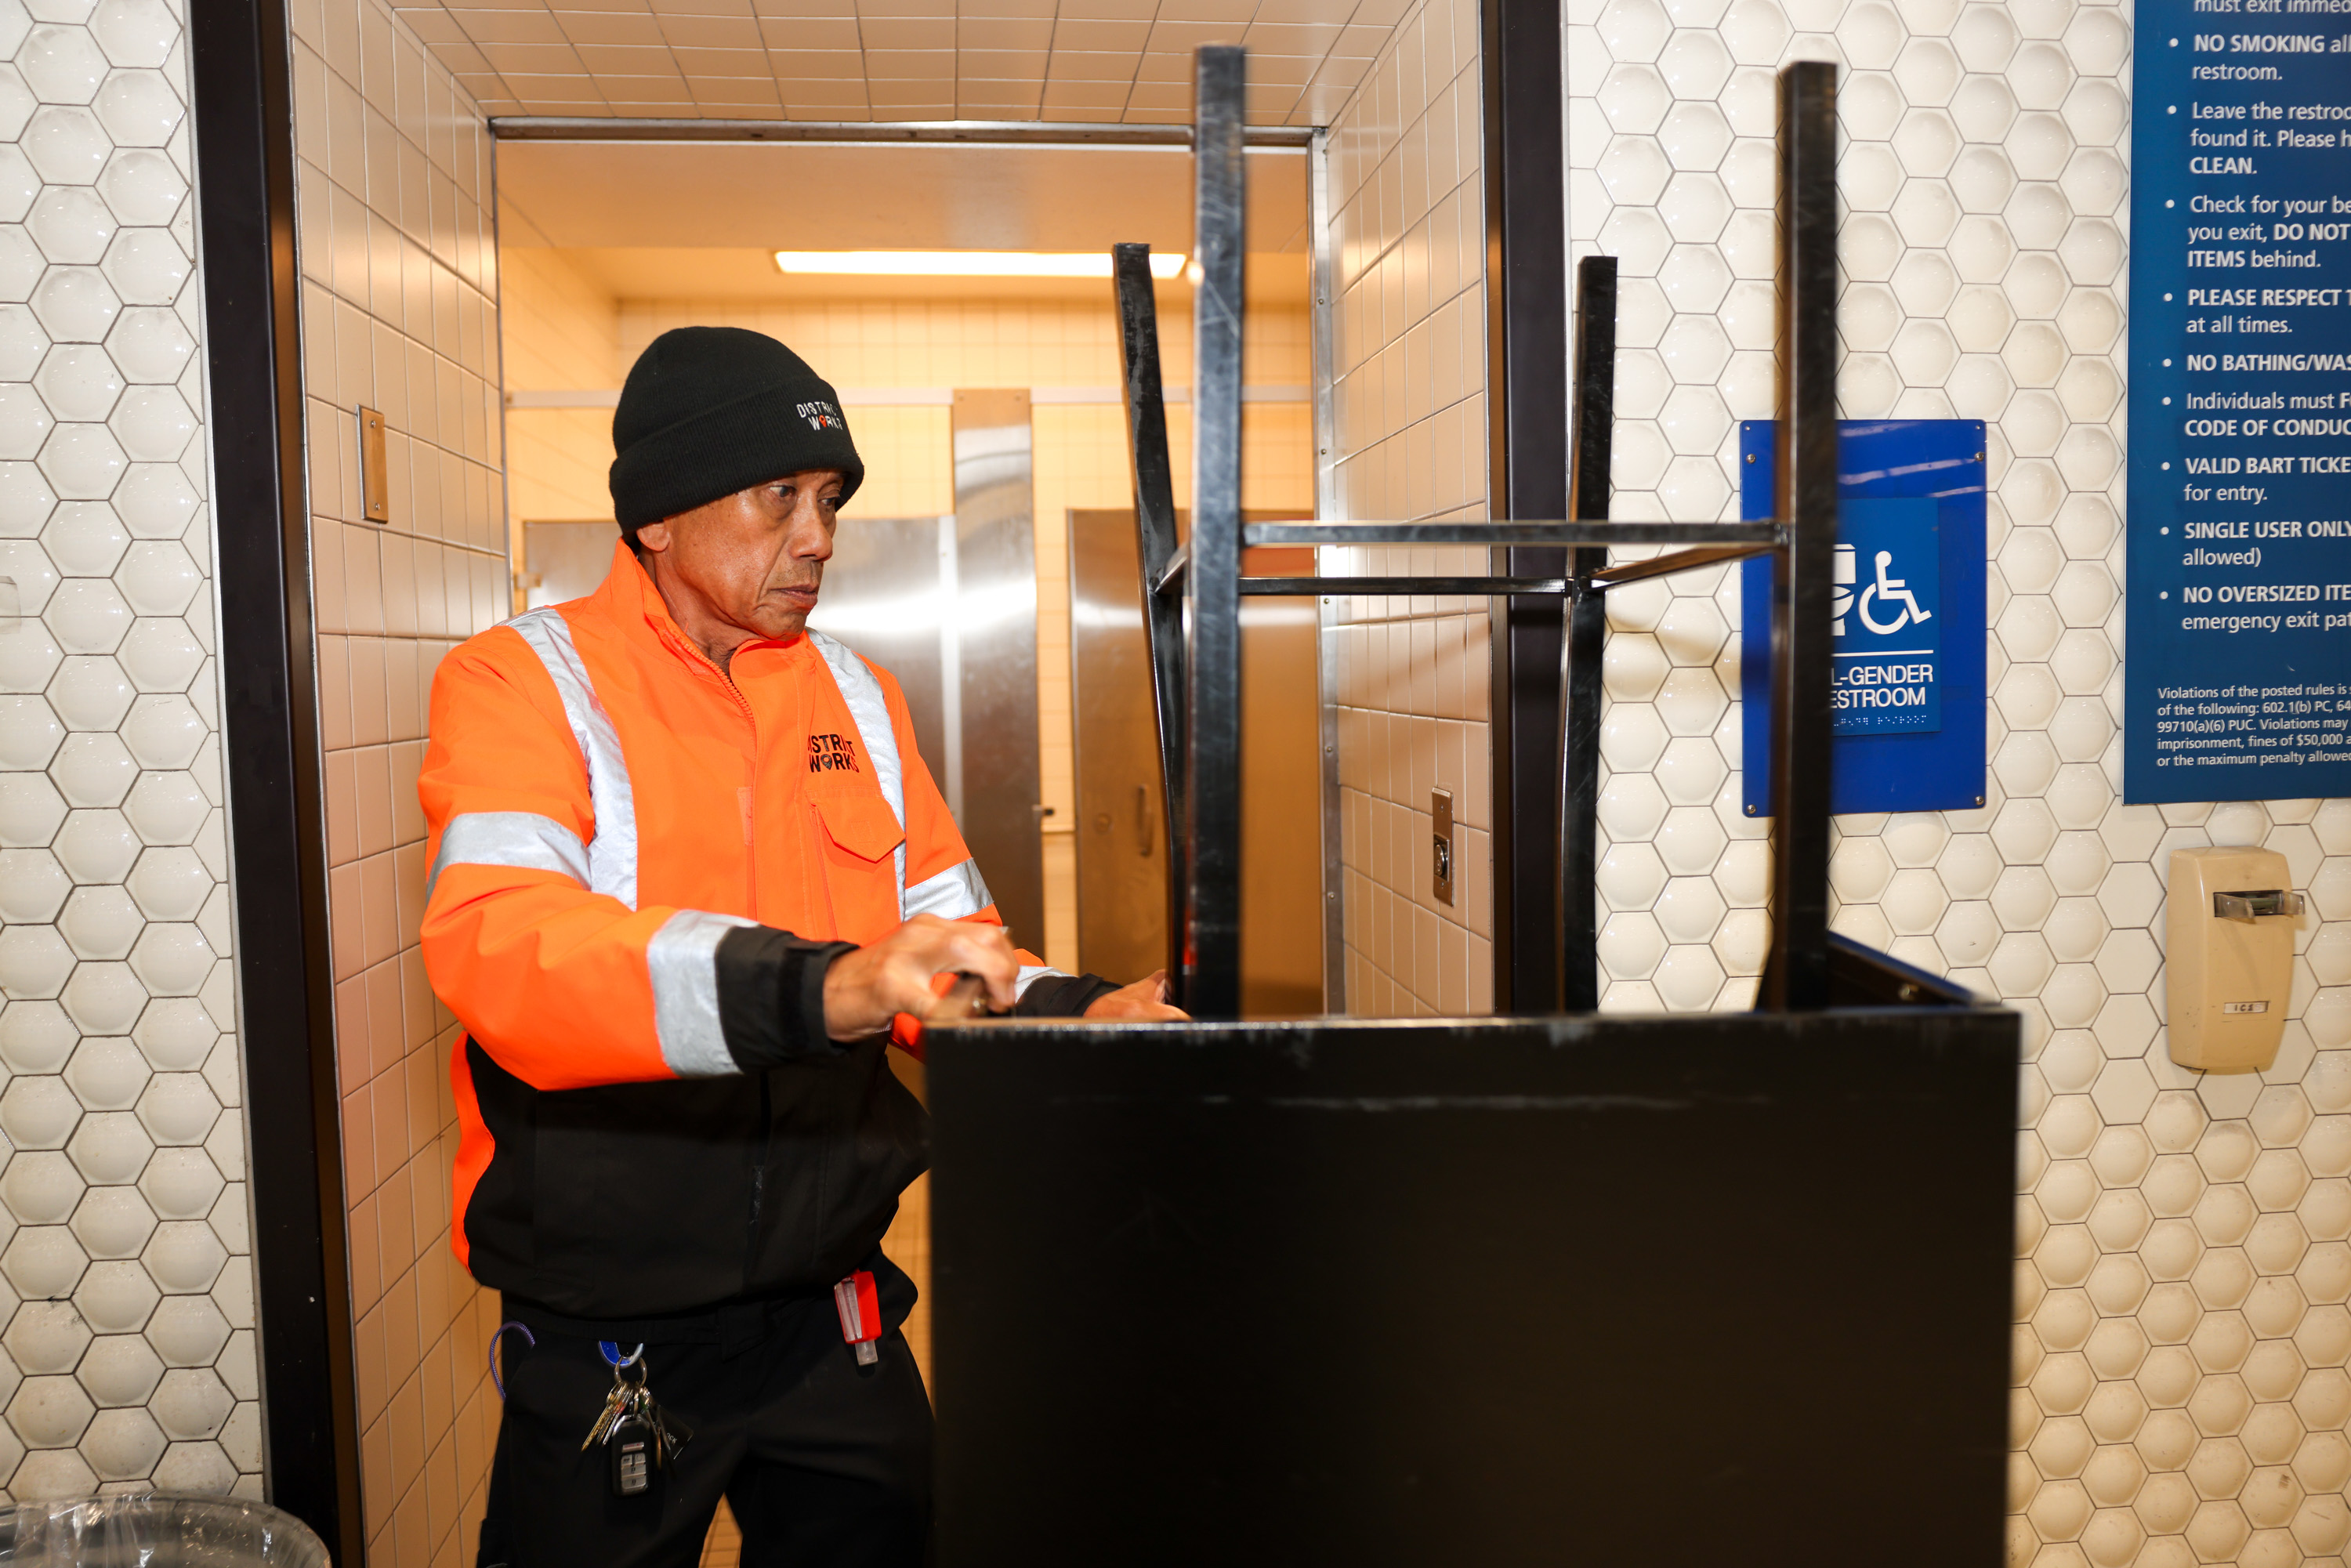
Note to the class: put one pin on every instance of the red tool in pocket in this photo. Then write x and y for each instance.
(860, 1315)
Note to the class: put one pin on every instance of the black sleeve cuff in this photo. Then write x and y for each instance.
(771, 995)
(1062, 996)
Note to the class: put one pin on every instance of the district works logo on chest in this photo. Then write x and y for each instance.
(831, 754)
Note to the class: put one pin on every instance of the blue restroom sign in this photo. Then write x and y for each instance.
(1887, 633)
(1907, 602)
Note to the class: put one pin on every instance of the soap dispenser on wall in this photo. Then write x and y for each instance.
(2229, 956)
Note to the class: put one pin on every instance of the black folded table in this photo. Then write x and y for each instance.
(1722, 1289)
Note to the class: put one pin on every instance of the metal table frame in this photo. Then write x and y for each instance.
(1192, 590)
(1404, 1290)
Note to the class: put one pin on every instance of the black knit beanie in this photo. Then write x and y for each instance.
(709, 411)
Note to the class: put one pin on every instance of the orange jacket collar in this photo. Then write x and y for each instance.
(630, 597)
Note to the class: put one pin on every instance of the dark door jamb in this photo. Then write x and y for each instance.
(1526, 297)
(239, 58)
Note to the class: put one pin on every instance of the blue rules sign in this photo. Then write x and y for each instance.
(1908, 633)
(2237, 655)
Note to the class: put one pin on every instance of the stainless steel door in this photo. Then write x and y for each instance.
(1122, 856)
(889, 593)
(1122, 853)
(949, 605)
(991, 683)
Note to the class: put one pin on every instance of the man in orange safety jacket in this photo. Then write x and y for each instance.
(686, 867)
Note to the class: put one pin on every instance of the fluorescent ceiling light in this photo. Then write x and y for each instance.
(965, 263)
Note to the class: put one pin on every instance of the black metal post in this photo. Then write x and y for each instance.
(1154, 522)
(1526, 295)
(1796, 976)
(1586, 613)
(1212, 948)
(242, 80)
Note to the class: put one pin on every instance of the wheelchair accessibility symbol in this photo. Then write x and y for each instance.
(1886, 591)
(1887, 626)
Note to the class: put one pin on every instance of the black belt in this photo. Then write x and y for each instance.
(734, 1328)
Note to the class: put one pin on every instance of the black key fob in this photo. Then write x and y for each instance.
(634, 1443)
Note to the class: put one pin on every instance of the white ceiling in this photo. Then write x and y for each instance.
(1093, 60)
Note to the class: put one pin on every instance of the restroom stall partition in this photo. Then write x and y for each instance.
(949, 605)
(1121, 855)
(1607, 1289)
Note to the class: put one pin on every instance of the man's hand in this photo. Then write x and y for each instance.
(1145, 1001)
(864, 989)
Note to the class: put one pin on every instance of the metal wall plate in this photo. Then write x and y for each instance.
(375, 491)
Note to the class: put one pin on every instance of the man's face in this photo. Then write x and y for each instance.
(753, 559)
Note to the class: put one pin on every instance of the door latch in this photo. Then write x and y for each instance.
(1440, 813)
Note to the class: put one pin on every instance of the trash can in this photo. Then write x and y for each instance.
(157, 1531)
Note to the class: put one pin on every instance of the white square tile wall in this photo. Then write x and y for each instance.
(2181, 1329)
(126, 1272)
(399, 267)
(1408, 402)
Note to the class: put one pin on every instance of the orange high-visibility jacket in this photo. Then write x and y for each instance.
(640, 868)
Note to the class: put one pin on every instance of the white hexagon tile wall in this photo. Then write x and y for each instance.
(2181, 1331)
(125, 1272)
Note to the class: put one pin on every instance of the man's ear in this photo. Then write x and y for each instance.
(654, 537)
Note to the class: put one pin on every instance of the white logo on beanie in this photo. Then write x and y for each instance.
(822, 416)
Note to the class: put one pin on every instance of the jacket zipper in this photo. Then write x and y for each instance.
(724, 679)
(750, 795)
(748, 798)
(764, 1147)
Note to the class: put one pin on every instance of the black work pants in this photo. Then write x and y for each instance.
(824, 1462)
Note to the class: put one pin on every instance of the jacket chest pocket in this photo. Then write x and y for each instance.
(858, 834)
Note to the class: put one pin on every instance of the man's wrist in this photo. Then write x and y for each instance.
(1062, 996)
(843, 1015)
(771, 996)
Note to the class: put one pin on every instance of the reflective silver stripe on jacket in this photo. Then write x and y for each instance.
(1030, 976)
(612, 852)
(522, 838)
(953, 894)
(682, 959)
